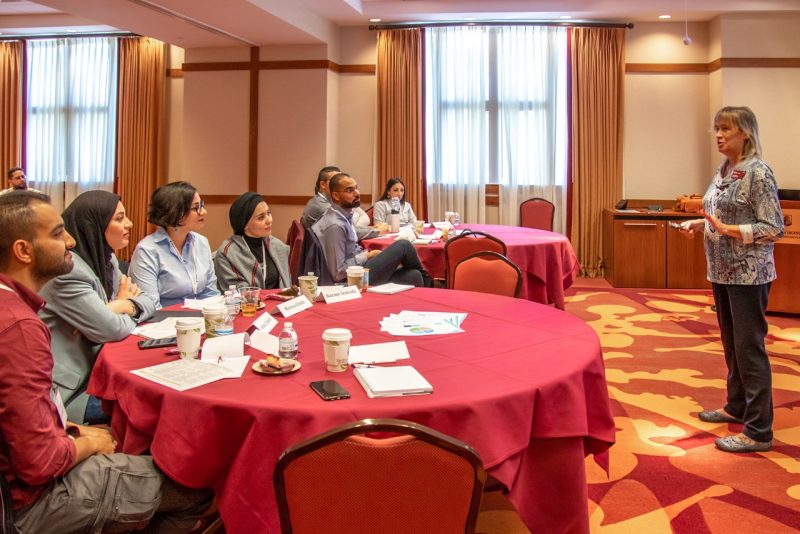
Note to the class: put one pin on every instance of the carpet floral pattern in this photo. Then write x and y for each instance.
(664, 364)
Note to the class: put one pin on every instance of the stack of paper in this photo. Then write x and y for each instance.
(392, 381)
(389, 289)
(184, 374)
(159, 330)
(378, 353)
(411, 323)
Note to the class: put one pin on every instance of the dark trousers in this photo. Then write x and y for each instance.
(399, 263)
(743, 327)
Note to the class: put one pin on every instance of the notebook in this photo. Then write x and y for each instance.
(389, 289)
(392, 381)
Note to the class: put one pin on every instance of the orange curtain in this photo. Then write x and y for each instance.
(10, 106)
(400, 122)
(598, 72)
(140, 117)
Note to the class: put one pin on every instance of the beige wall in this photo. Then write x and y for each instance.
(669, 149)
(312, 118)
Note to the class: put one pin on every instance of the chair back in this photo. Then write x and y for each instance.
(464, 245)
(370, 213)
(416, 480)
(537, 213)
(7, 525)
(313, 260)
(295, 239)
(488, 272)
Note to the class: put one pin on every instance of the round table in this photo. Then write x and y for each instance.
(524, 385)
(546, 259)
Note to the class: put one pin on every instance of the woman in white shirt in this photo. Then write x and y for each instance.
(395, 188)
(174, 262)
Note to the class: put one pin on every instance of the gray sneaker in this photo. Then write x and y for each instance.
(741, 443)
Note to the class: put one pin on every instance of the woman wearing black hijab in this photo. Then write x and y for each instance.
(251, 256)
(94, 303)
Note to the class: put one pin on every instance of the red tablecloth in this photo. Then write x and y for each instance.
(524, 385)
(546, 259)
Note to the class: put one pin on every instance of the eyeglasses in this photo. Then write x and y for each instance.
(348, 190)
(198, 207)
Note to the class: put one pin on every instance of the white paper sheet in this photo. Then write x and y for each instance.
(378, 353)
(264, 341)
(411, 323)
(389, 289)
(234, 364)
(183, 374)
(159, 330)
(221, 346)
(198, 304)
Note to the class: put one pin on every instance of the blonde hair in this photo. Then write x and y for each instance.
(743, 118)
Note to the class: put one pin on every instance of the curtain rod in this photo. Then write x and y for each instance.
(65, 36)
(574, 24)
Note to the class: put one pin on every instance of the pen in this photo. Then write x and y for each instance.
(362, 365)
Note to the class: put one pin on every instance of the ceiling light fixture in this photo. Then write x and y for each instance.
(665, 16)
(374, 20)
(686, 39)
(469, 18)
(565, 17)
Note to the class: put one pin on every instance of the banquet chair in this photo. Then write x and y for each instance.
(537, 213)
(295, 241)
(413, 480)
(369, 212)
(461, 246)
(6, 512)
(488, 272)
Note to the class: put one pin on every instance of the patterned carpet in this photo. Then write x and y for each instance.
(664, 364)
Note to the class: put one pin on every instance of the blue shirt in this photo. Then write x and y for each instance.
(337, 236)
(748, 197)
(168, 277)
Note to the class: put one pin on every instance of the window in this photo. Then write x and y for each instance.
(71, 115)
(495, 101)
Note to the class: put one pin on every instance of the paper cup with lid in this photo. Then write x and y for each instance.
(336, 346)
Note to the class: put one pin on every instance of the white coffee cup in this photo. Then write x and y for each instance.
(308, 286)
(188, 332)
(336, 346)
(448, 216)
(355, 275)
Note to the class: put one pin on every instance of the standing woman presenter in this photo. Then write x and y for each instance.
(742, 220)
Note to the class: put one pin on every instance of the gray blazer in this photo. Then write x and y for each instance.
(235, 265)
(79, 324)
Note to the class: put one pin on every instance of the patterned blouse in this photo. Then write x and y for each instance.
(748, 196)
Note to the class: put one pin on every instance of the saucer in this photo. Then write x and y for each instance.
(266, 370)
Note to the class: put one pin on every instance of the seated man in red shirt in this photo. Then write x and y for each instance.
(63, 477)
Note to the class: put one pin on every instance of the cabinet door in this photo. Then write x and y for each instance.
(640, 253)
(686, 261)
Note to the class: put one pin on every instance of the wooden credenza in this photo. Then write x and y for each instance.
(784, 296)
(641, 250)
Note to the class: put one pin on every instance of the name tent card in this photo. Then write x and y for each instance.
(296, 305)
(335, 294)
(265, 322)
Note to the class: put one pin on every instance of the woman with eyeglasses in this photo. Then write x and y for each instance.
(252, 256)
(742, 220)
(174, 262)
(395, 188)
(94, 303)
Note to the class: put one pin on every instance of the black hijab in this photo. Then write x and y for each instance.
(242, 209)
(86, 220)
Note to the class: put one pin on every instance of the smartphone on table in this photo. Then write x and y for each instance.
(329, 390)
(158, 343)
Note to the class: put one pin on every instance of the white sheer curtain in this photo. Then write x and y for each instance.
(532, 119)
(71, 116)
(456, 123)
(496, 113)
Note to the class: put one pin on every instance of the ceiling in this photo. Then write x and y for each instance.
(216, 23)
